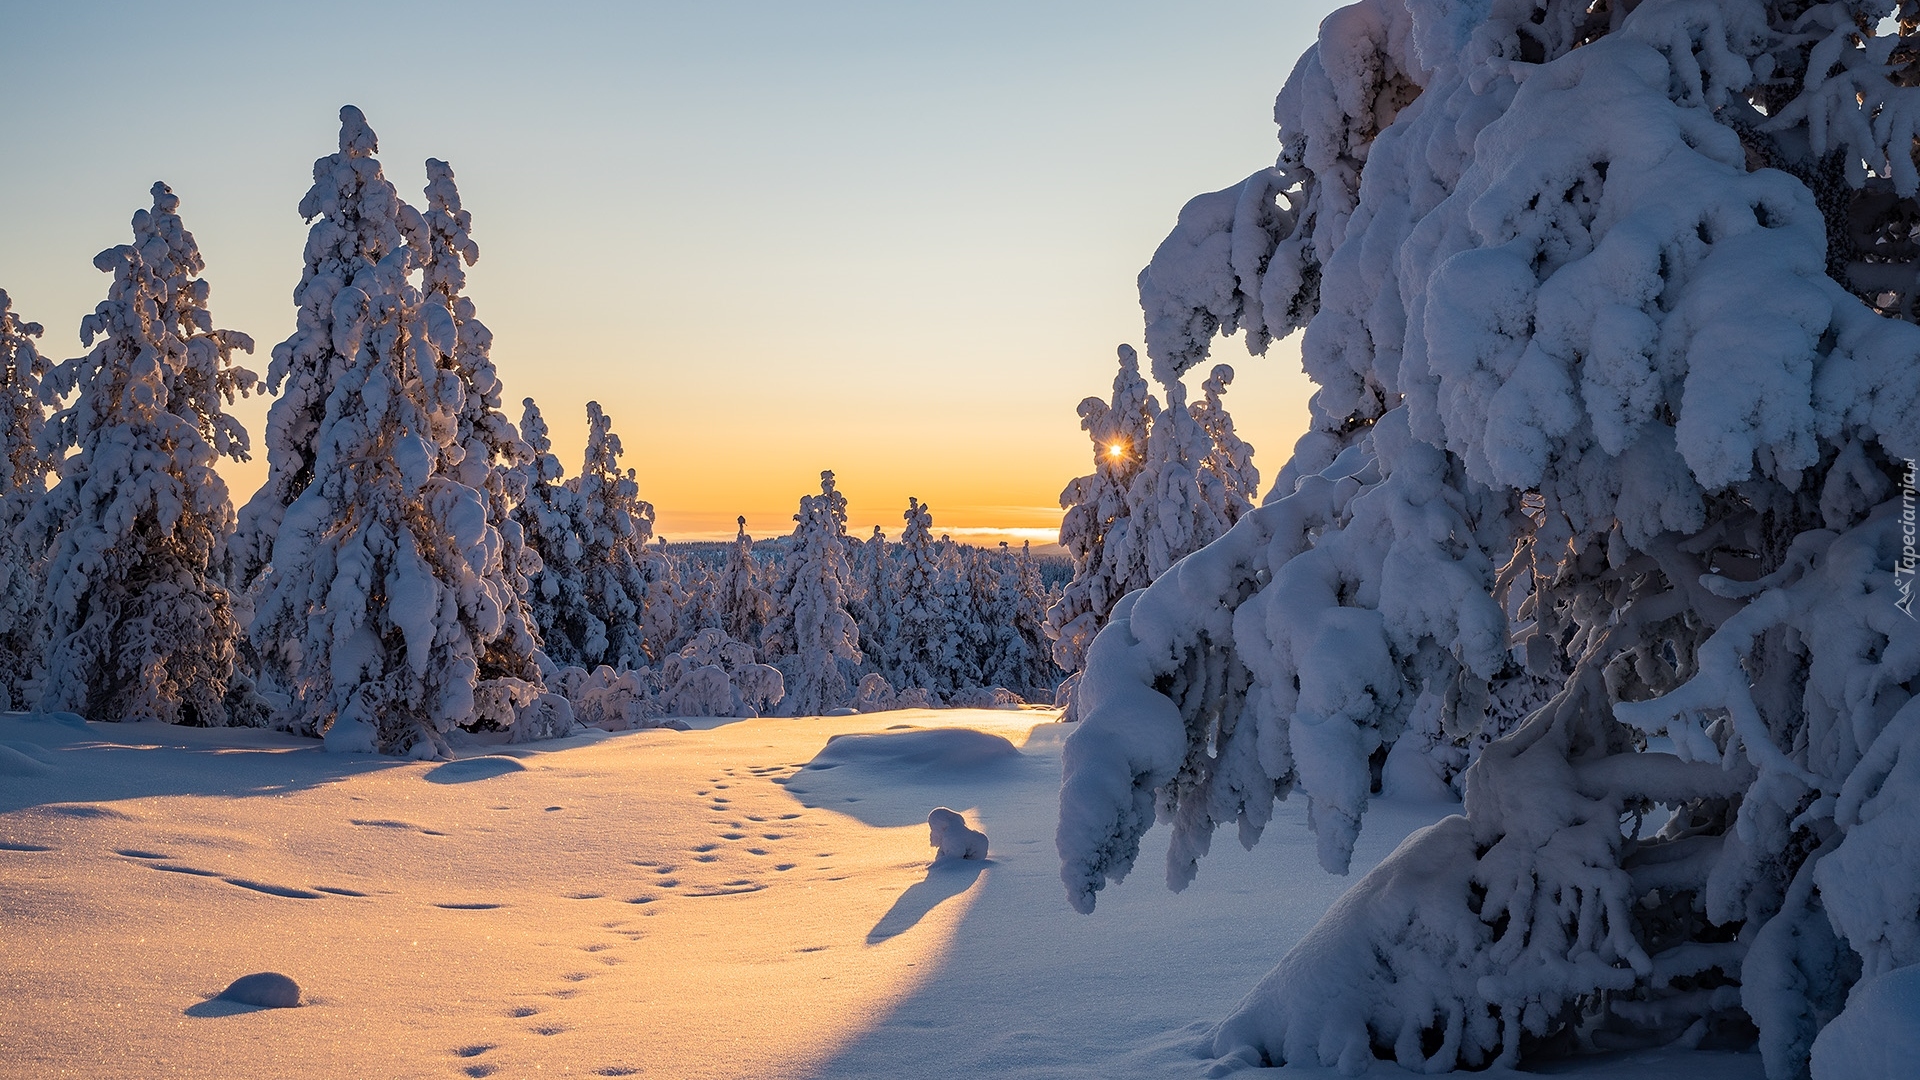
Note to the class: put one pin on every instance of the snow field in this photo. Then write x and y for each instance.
(742, 900)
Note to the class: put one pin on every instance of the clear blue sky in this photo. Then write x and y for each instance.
(897, 240)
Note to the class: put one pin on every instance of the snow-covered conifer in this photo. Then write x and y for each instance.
(1011, 616)
(1108, 560)
(1601, 495)
(548, 515)
(813, 640)
(134, 619)
(614, 526)
(378, 605)
(742, 601)
(362, 221)
(917, 629)
(24, 468)
(486, 452)
(1229, 477)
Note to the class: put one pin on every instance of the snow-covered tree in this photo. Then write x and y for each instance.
(547, 514)
(919, 630)
(1176, 503)
(362, 221)
(1011, 612)
(381, 597)
(614, 526)
(24, 468)
(486, 452)
(134, 619)
(1609, 306)
(741, 600)
(1232, 481)
(812, 638)
(1108, 560)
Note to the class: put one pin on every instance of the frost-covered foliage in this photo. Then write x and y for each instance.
(741, 602)
(362, 221)
(1605, 303)
(812, 639)
(486, 452)
(925, 636)
(613, 525)
(24, 468)
(1165, 482)
(714, 675)
(548, 515)
(134, 619)
(384, 590)
(1108, 561)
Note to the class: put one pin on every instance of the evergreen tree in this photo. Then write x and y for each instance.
(24, 468)
(743, 603)
(1232, 482)
(1610, 309)
(381, 598)
(548, 517)
(1109, 561)
(486, 453)
(614, 525)
(134, 620)
(917, 628)
(813, 639)
(362, 222)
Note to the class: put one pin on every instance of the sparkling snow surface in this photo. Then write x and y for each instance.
(652, 903)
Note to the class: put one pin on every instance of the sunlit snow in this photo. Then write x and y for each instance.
(741, 900)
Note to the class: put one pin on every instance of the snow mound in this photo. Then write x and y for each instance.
(949, 833)
(22, 759)
(943, 749)
(466, 770)
(1877, 1036)
(267, 989)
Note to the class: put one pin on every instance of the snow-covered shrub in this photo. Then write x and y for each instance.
(609, 700)
(713, 675)
(812, 638)
(874, 694)
(24, 468)
(1877, 1036)
(951, 838)
(133, 617)
(1605, 303)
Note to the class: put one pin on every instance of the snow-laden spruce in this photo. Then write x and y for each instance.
(24, 468)
(613, 525)
(1601, 502)
(382, 592)
(741, 602)
(1108, 560)
(362, 220)
(547, 514)
(1165, 482)
(813, 639)
(486, 452)
(134, 620)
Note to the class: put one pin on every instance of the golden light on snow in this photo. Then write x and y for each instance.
(1116, 450)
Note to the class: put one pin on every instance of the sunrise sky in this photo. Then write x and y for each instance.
(895, 240)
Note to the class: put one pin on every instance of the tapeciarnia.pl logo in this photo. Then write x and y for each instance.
(1903, 570)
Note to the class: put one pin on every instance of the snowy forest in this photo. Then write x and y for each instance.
(1561, 689)
(1605, 523)
(418, 562)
